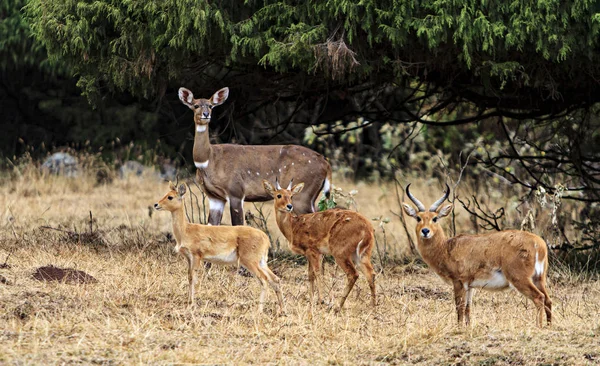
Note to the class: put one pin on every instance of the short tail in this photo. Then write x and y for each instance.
(327, 184)
(360, 253)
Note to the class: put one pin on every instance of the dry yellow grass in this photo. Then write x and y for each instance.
(137, 311)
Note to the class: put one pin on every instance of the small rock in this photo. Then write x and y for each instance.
(168, 172)
(61, 163)
(131, 167)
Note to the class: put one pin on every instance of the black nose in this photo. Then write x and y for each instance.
(206, 114)
(289, 206)
(155, 205)
(425, 231)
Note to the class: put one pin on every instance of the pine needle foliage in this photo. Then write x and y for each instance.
(493, 49)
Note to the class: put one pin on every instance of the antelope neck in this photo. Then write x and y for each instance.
(285, 221)
(202, 148)
(179, 224)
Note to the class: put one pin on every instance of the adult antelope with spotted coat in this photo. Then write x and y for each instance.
(234, 173)
(495, 261)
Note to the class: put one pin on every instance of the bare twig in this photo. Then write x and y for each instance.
(490, 219)
(411, 242)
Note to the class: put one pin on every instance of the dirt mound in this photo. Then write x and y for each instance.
(66, 275)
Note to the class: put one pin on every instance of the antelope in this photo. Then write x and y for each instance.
(226, 245)
(233, 173)
(495, 261)
(346, 235)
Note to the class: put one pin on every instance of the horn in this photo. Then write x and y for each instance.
(415, 201)
(290, 185)
(277, 186)
(437, 203)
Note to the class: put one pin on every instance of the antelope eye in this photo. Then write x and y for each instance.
(170, 198)
(435, 219)
(418, 219)
(278, 196)
(196, 106)
(210, 107)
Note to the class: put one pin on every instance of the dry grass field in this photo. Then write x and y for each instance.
(136, 312)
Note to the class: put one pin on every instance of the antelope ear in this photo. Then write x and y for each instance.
(220, 96)
(182, 189)
(269, 188)
(297, 188)
(172, 186)
(186, 97)
(445, 211)
(409, 210)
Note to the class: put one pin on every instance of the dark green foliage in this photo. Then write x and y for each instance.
(41, 107)
(18, 49)
(523, 57)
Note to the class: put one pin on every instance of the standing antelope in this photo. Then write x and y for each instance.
(219, 244)
(233, 173)
(346, 235)
(493, 261)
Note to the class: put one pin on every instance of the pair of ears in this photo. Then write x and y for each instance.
(271, 190)
(187, 97)
(180, 190)
(441, 212)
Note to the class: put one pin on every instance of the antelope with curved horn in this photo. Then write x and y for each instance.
(346, 235)
(228, 245)
(495, 261)
(234, 173)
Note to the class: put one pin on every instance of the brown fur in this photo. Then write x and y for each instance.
(240, 245)
(234, 173)
(468, 261)
(346, 235)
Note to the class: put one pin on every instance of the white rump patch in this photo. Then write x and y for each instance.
(223, 258)
(539, 266)
(497, 281)
(216, 205)
(326, 185)
(201, 165)
(201, 128)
